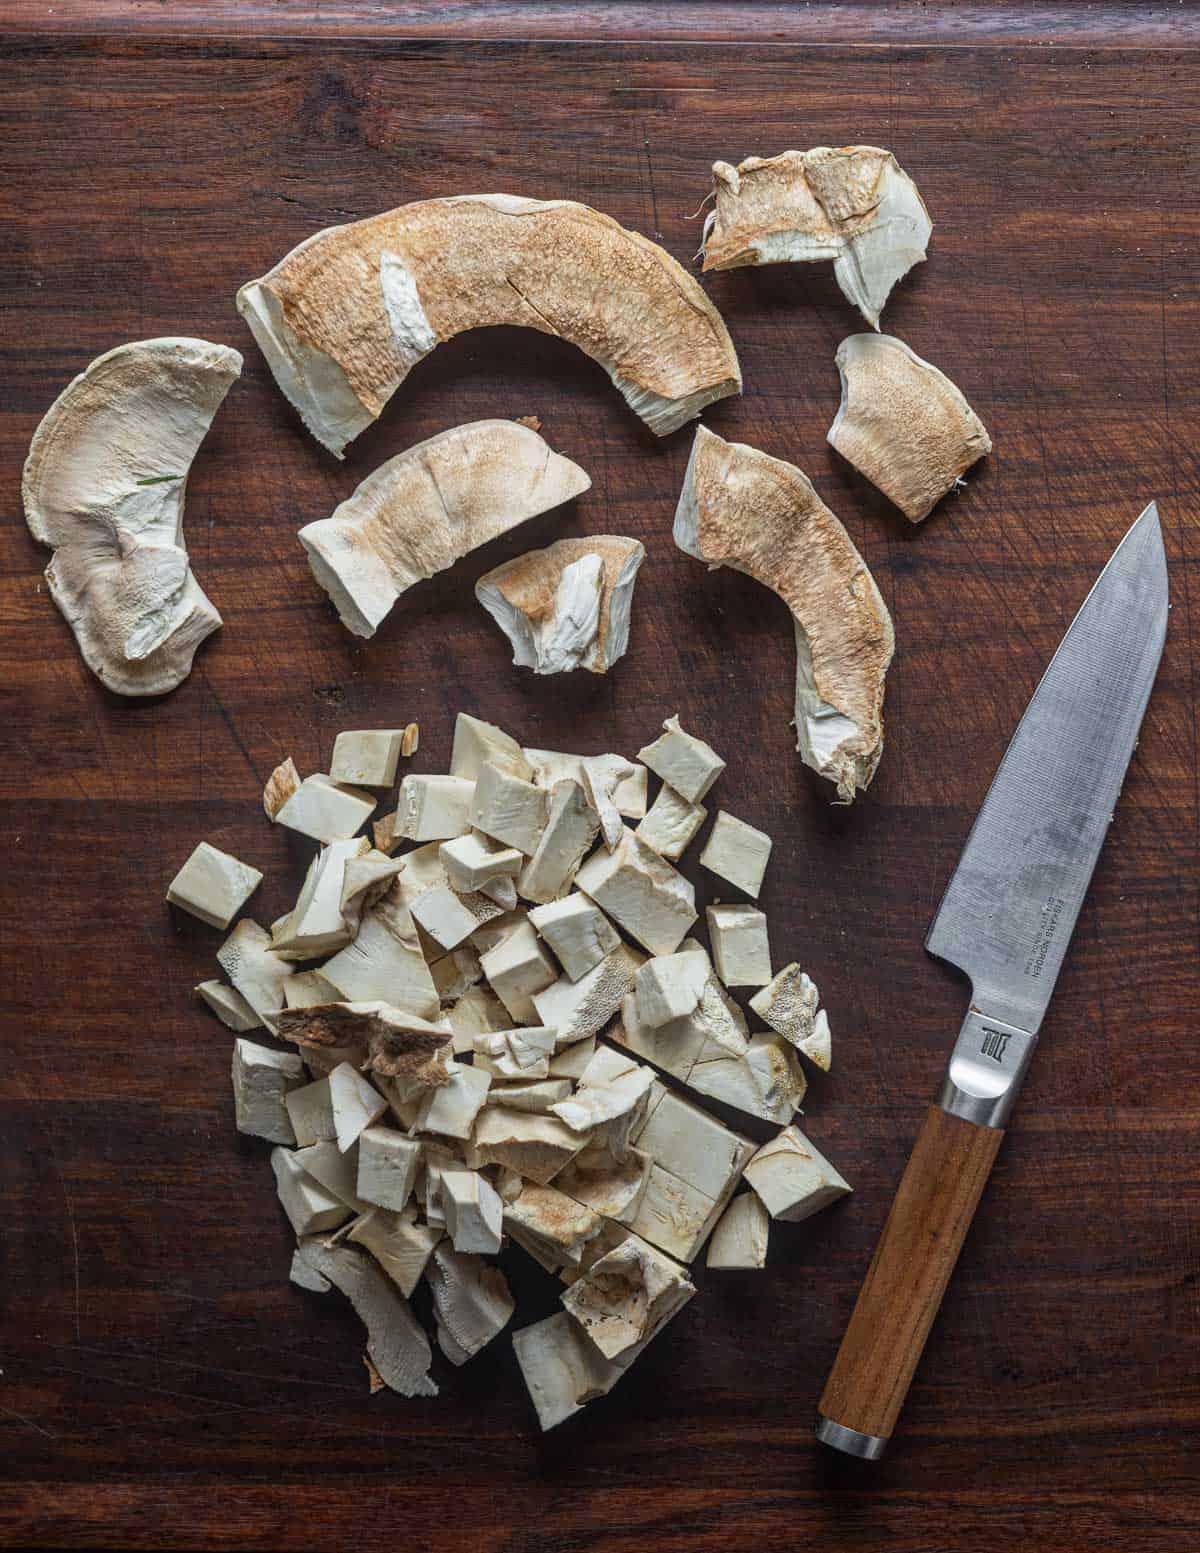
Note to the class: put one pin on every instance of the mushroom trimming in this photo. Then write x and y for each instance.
(345, 316)
(104, 486)
(744, 509)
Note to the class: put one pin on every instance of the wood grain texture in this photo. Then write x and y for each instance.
(913, 1262)
(162, 1385)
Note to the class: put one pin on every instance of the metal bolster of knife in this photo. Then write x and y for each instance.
(986, 1068)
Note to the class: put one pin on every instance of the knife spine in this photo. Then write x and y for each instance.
(985, 1071)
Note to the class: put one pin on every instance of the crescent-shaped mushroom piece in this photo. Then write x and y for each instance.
(425, 508)
(567, 606)
(104, 485)
(741, 508)
(903, 424)
(346, 315)
(852, 204)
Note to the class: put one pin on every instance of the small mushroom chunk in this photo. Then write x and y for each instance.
(456, 974)
(471, 861)
(306, 1277)
(627, 1296)
(566, 607)
(852, 204)
(611, 1087)
(571, 827)
(261, 1081)
(470, 1297)
(788, 1003)
(760, 515)
(669, 986)
(281, 784)
(547, 1222)
(578, 932)
(434, 808)
(764, 1081)
(387, 1167)
(794, 1179)
(537, 1095)
(310, 1110)
(578, 1009)
(368, 757)
(258, 975)
(502, 891)
(609, 1186)
(396, 1345)
(104, 486)
(336, 1172)
(515, 1054)
(561, 1368)
(476, 1012)
(517, 968)
(421, 511)
(213, 886)
(671, 823)
(509, 809)
(473, 1211)
(818, 1048)
(449, 918)
(737, 853)
(451, 1109)
(310, 1207)
(229, 1006)
(537, 1147)
(684, 762)
(325, 810)
(602, 776)
(476, 744)
(385, 963)
(641, 892)
(741, 951)
(740, 1238)
(356, 1104)
(400, 1245)
(903, 424)
(316, 925)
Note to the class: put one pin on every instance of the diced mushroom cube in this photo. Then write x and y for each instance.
(261, 1081)
(741, 950)
(476, 743)
(473, 860)
(740, 1238)
(686, 763)
(577, 931)
(671, 823)
(325, 810)
(229, 1006)
(310, 1207)
(311, 1111)
(793, 1178)
(508, 809)
(387, 1167)
(213, 886)
(434, 808)
(451, 1109)
(356, 1104)
(669, 986)
(641, 892)
(737, 852)
(517, 968)
(367, 756)
(473, 1211)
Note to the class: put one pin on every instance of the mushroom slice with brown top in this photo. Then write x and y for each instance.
(741, 508)
(426, 508)
(401, 1045)
(903, 424)
(567, 606)
(345, 316)
(104, 485)
(852, 204)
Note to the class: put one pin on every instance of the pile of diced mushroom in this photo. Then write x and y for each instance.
(477, 1046)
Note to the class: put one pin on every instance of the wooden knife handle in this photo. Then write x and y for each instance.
(942, 1184)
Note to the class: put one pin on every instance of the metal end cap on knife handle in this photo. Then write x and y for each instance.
(868, 1447)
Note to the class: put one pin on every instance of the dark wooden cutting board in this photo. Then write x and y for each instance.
(162, 1385)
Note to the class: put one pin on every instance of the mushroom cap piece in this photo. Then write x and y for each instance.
(424, 509)
(344, 317)
(852, 204)
(567, 606)
(741, 508)
(104, 485)
(903, 424)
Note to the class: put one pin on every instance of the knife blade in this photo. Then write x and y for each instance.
(1005, 920)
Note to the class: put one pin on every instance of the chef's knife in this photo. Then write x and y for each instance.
(1006, 919)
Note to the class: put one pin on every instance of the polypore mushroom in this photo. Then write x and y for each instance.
(426, 508)
(104, 485)
(567, 606)
(852, 204)
(344, 317)
(903, 424)
(741, 508)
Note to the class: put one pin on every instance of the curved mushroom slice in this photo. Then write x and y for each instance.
(852, 204)
(903, 424)
(470, 1297)
(104, 486)
(429, 506)
(743, 509)
(567, 606)
(396, 1345)
(344, 317)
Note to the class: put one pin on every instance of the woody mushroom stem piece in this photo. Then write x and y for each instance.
(903, 424)
(345, 316)
(566, 607)
(744, 509)
(424, 509)
(104, 485)
(852, 204)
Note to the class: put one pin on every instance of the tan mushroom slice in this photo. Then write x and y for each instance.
(426, 508)
(471, 1297)
(104, 485)
(397, 1346)
(402, 1046)
(852, 204)
(741, 508)
(903, 424)
(344, 317)
(567, 606)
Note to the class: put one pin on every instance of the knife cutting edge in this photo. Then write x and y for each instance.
(1006, 919)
